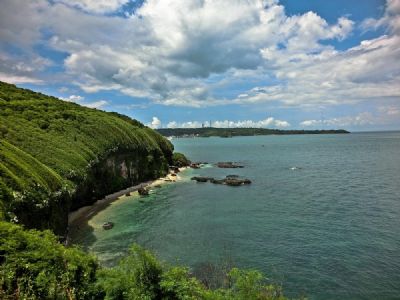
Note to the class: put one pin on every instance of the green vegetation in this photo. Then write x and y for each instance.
(180, 160)
(57, 155)
(33, 265)
(230, 132)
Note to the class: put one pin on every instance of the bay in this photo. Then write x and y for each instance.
(321, 217)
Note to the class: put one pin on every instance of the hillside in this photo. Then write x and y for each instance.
(56, 156)
(229, 132)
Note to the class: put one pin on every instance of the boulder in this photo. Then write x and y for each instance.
(233, 182)
(218, 181)
(229, 165)
(202, 179)
(108, 225)
(143, 192)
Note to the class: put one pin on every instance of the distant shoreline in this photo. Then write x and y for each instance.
(231, 132)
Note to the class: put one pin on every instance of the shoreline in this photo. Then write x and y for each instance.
(82, 216)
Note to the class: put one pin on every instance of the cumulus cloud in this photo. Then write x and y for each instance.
(368, 71)
(268, 122)
(391, 18)
(155, 123)
(166, 51)
(22, 69)
(73, 98)
(81, 100)
(17, 79)
(183, 52)
(95, 6)
(96, 104)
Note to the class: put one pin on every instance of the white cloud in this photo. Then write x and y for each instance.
(390, 110)
(73, 98)
(16, 79)
(155, 123)
(96, 104)
(95, 6)
(368, 71)
(81, 100)
(361, 119)
(268, 122)
(22, 69)
(391, 18)
(168, 49)
(183, 52)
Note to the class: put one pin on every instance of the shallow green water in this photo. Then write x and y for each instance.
(329, 229)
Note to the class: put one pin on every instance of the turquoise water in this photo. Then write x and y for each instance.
(329, 229)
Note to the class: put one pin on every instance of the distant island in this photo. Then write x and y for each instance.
(230, 132)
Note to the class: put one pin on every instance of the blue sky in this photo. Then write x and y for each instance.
(180, 63)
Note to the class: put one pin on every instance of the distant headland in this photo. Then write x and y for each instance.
(230, 132)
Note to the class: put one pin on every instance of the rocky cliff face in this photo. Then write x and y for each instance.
(56, 156)
(119, 171)
(116, 172)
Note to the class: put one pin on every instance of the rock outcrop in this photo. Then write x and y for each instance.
(228, 165)
(231, 180)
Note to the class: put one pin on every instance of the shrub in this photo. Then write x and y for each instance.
(180, 160)
(33, 265)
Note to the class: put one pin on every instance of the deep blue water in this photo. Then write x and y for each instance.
(329, 229)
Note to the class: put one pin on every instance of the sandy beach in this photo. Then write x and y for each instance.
(80, 217)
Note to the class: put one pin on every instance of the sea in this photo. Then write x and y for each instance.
(321, 217)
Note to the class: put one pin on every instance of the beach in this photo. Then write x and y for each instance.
(80, 218)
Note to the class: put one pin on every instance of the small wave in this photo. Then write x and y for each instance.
(295, 168)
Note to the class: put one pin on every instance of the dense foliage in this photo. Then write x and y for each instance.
(52, 152)
(180, 160)
(33, 265)
(229, 132)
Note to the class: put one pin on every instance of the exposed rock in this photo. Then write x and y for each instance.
(228, 164)
(231, 180)
(202, 179)
(218, 181)
(236, 182)
(173, 175)
(143, 192)
(108, 225)
(127, 194)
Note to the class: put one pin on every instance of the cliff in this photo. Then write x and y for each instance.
(57, 156)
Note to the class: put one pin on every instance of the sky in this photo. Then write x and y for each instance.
(286, 64)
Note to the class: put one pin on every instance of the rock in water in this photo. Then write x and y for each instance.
(108, 225)
(202, 179)
(228, 165)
